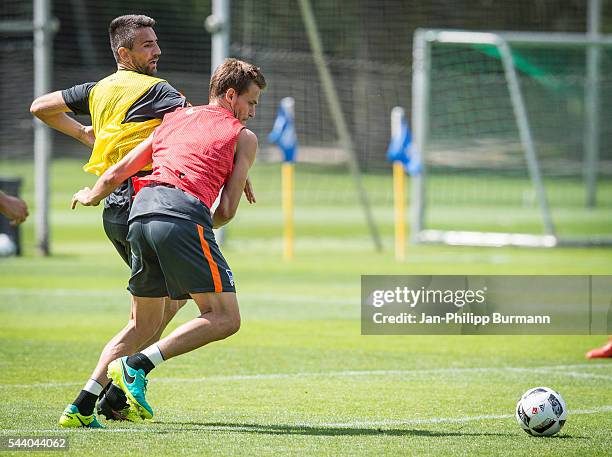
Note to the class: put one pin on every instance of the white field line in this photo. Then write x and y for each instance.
(367, 373)
(442, 420)
(576, 374)
(122, 293)
(271, 427)
(63, 292)
(560, 370)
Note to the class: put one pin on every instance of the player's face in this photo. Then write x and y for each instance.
(145, 52)
(243, 105)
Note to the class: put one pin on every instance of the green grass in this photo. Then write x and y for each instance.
(298, 379)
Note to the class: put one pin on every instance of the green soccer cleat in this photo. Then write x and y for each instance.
(134, 385)
(126, 414)
(72, 418)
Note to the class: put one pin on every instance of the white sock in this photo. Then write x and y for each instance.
(154, 354)
(94, 387)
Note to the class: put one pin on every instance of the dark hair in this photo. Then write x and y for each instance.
(122, 31)
(235, 74)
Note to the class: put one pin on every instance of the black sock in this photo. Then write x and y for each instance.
(85, 402)
(104, 390)
(139, 361)
(116, 398)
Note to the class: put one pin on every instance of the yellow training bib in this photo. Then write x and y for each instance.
(109, 101)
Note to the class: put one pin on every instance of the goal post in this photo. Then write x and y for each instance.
(489, 146)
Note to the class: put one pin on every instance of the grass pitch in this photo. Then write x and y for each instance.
(298, 379)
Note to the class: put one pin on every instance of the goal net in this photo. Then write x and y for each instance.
(513, 131)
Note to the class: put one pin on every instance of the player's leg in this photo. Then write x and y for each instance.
(603, 352)
(78, 414)
(145, 321)
(192, 264)
(171, 307)
(219, 319)
(113, 402)
(201, 270)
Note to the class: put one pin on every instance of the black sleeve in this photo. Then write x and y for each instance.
(77, 97)
(161, 99)
(167, 100)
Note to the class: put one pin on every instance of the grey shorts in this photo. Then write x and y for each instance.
(175, 257)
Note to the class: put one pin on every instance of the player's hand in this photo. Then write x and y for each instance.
(14, 208)
(83, 197)
(248, 191)
(87, 136)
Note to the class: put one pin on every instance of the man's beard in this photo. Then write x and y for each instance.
(147, 70)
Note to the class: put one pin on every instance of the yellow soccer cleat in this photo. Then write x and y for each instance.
(72, 418)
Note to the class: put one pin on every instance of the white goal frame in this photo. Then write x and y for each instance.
(423, 38)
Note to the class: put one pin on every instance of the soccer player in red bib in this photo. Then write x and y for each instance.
(195, 153)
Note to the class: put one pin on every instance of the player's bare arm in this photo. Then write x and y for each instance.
(246, 149)
(249, 192)
(14, 208)
(138, 158)
(51, 109)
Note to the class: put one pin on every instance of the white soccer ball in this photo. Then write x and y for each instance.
(541, 411)
(7, 247)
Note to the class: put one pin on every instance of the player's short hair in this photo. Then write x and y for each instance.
(122, 31)
(235, 74)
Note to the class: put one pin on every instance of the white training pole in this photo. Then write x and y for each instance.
(43, 31)
(218, 25)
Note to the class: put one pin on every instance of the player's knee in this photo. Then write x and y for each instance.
(231, 324)
(235, 325)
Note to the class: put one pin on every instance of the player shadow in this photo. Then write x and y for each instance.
(285, 429)
(563, 436)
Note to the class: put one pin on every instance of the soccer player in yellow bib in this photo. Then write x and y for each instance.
(125, 108)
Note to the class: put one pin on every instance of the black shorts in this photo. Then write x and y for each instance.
(117, 234)
(115, 216)
(175, 257)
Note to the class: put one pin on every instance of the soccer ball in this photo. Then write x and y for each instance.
(7, 247)
(541, 411)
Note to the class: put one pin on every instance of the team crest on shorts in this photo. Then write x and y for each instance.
(230, 275)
